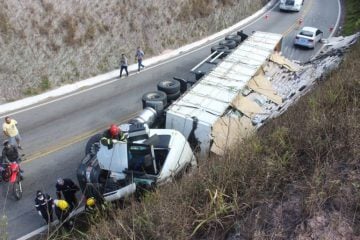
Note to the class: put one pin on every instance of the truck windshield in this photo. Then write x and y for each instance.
(140, 158)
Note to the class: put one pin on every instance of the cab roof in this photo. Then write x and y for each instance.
(310, 29)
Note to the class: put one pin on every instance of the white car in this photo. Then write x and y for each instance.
(291, 5)
(149, 158)
(308, 37)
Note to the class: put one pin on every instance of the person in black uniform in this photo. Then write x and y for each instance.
(68, 189)
(44, 206)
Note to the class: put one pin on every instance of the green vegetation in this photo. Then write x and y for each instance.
(43, 86)
(45, 83)
(352, 19)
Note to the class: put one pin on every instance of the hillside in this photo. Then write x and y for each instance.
(298, 178)
(45, 44)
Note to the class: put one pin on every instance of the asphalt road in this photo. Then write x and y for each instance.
(54, 132)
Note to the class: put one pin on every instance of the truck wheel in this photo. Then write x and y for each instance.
(221, 48)
(174, 96)
(94, 139)
(183, 84)
(169, 86)
(157, 100)
(229, 43)
(17, 189)
(234, 37)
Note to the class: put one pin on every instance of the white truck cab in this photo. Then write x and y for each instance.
(150, 157)
(291, 5)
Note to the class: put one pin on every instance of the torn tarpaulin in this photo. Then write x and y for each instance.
(281, 60)
(228, 130)
(290, 86)
(259, 83)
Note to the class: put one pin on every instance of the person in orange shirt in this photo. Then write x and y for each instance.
(11, 131)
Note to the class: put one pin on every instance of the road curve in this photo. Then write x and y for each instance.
(53, 133)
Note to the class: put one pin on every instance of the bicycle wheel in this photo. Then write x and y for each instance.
(17, 189)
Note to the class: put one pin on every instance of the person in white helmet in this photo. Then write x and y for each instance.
(44, 206)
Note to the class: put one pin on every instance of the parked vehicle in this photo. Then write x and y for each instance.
(291, 5)
(308, 37)
(149, 158)
(11, 174)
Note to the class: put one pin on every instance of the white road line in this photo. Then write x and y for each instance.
(45, 227)
(335, 27)
(38, 231)
(337, 20)
(72, 90)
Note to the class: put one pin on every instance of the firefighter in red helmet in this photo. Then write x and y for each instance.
(112, 135)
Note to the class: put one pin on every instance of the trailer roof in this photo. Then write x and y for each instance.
(212, 94)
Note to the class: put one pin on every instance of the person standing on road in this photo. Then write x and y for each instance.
(139, 55)
(124, 65)
(44, 206)
(68, 189)
(10, 130)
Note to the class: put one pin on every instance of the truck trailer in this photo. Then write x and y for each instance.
(198, 111)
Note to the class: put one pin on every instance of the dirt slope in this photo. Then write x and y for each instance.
(47, 43)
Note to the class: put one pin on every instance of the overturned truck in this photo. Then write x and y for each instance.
(237, 90)
(230, 94)
(227, 103)
(150, 157)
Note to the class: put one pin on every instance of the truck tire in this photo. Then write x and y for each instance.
(234, 37)
(156, 100)
(174, 96)
(94, 139)
(221, 48)
(231, 44)
(169, 86)
(183, 84)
